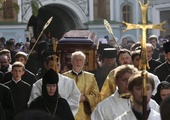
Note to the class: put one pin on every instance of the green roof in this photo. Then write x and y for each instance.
(98, 22)
(12, 23)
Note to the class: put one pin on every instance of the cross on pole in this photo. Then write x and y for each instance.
(143, 27)
(144, 61)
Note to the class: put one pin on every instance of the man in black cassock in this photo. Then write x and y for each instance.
(28, 76)
(7, 103)
(163, 70)
(108, 64)
(20, 89)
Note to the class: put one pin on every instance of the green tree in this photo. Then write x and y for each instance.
(34, 5)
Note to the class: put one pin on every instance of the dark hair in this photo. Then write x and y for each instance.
(134, 46)
(130, 41)
(50, 58)
(2, 39)
(164, 109)
(134, 54)
(21, 54)
(10, 42)
(137, 80)
(121, 51)
(162, 85)
(18, 44)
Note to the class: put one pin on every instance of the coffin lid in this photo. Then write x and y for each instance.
(78, 39)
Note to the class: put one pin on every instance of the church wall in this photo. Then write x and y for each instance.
(17, 32)
(101, 11)
(9, 26)
(8, 12)
(157, 17)
(79, 7)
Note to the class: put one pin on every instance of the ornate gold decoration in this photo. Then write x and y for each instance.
(144, 61)
(45, 26)
(125, 95)
(109, 29)
(144, 27)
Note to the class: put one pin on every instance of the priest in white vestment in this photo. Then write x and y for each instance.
(129, 115)
(114, 106)
(66, 87)
(135, 88)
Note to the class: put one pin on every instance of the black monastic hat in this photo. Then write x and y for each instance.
(109, 53)
(166, 47)
(50, 77)
(102, 47)
(46, 53)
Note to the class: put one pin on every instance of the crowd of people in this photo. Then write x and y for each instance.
(31, 87)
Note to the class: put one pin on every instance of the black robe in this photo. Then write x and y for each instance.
(1, 76)
(156, 53)
(7, 102)
(101, 74)
(21, 93)
(2, 114)
(63, 111)
(162, 71)
(28, 77)
(153, 64)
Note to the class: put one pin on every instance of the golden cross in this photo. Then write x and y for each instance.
(144, 27)
(144, 61)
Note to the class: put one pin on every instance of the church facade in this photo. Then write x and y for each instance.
(81, 15)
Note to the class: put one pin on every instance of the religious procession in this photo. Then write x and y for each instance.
(69, 68)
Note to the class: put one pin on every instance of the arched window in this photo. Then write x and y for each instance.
(127, 13)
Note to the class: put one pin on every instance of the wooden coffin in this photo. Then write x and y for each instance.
(78, 39)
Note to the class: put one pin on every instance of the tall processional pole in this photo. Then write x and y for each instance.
(45, 26)
(144, 61)
(55, 67)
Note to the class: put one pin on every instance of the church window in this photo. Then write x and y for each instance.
(127, 13)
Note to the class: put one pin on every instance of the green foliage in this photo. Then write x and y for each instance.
(35, 7)
(16, 7)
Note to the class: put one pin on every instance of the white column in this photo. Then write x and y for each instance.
(117, 8)
(111, 10)
(20, 9)
(136, 15)
(91, 10)
(156, 20)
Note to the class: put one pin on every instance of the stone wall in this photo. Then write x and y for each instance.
(101, 9)
(8, 12)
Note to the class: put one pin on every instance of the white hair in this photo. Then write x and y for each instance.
(78, 53)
